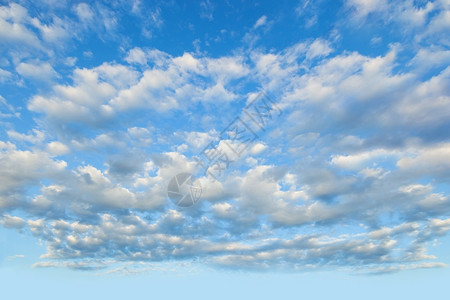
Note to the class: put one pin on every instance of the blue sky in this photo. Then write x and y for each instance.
(344, 188)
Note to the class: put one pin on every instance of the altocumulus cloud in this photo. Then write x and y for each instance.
(353, 176)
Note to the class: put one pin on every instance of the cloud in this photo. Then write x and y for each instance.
(4, 75)
(377, 250)
(21, 169)
(38, 71)
(206, 10)
(318, 48)
(13, 28)
(84, 12)
(136, 55)
(260, 22)
(352, 176)
(356, 161)
(87, 100)
(57, 148)
(123, 204)
(15, 256)
(364, 7)
(55, 32)
(310, 193)
(35, 138)
(11, 111)
(12, 222)
(434, 160)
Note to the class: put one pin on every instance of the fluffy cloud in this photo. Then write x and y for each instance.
(12, 222)
(20, 170)
(354, 175)
(12, 26)
(378, 250)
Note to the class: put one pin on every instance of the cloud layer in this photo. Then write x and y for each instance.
(353, 176)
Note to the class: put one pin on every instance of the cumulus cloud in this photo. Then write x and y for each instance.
(12, 222)
(12, 26)
(354, 175)
(39, 71)
(22, 169)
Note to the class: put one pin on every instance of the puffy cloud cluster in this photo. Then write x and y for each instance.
(353, 176)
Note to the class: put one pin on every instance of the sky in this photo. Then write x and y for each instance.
(310, 138)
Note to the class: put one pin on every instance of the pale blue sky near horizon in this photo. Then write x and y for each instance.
(19, 281)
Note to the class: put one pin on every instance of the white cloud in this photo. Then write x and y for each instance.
(260, 22)
(439, 25)
(428, 104)
(374, 173)
(433, 160)
(86, 101)
(4, 75)
(84, 12)
(360, 138)
(416, 188)
(136, 55)
(55, 32)
(257, 148)
(170, 82)
(364, 7)
(19, 167)
(318, 48)
(10, 108)
(226, 68)
(207, 9)
(151, 91)
(20, 170)
(187, 63)
(35, 138)
(12, 26)
(224, 210)
(427, 58)
(198, 139)
(37, 71)
(16, 256)
(12, 222)
(57, 148)
(357, 161)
